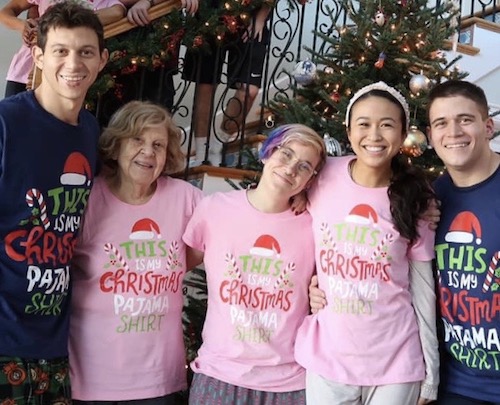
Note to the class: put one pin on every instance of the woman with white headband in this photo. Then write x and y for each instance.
(375, 341)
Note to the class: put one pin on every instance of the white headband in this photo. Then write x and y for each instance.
(384, 87)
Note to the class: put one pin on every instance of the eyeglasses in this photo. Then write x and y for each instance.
(287, 156)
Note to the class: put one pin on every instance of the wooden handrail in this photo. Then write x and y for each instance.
(223, 172)
(157, 11)
(491, 26)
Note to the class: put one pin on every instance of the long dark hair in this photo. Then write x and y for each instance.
(410, 193)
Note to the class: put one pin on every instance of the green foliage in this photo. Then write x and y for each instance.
(195, 308)
(251, 161)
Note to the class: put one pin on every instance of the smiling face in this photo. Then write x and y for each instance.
(290, 168)
(70, 63)
(141, 158)
(459, 133)
(375, 132)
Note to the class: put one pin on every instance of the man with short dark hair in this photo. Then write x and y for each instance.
(48, 146)
(467, 243)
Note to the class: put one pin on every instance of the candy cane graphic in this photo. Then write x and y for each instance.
(388, 239)
(491, 271)
(32, 195)
(231, 260)
(172, 261)
(328, 241)
(281, 278)
(110, 248)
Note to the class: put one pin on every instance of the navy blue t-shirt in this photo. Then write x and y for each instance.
(46, 171)
(467, 258)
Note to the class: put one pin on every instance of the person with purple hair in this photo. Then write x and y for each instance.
(259, 259)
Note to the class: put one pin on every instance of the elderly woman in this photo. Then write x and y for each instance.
(259, 258)
(126, 340)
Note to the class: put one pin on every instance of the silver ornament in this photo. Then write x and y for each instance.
(380, 18)
(419, 83)
(304, 72)
(333, 147)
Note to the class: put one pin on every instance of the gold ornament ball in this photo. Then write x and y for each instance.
(415, 143)
(419, 83)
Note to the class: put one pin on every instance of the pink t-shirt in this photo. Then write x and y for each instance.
(258, 268)
(22, 62)
(126, 339)
(368, 333)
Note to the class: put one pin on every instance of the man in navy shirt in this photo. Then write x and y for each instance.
(467, 243)
(48, 157)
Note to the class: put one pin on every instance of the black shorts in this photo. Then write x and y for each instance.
(245, 63)
(13, 88)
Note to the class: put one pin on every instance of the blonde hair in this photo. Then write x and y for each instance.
(131, 120)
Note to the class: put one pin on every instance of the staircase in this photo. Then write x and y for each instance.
(479, 48)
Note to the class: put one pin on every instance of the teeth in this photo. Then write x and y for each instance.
(72, 78)
(374, 148)
(456, 145)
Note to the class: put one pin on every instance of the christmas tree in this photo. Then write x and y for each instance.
(400, 42)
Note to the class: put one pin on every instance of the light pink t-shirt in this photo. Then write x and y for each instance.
(258, 268)
(126, 339)
(368, 333)
(22, 62)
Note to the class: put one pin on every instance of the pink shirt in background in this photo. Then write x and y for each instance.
(22, 62)
(368, 333)
(126, 339)
(258, 268)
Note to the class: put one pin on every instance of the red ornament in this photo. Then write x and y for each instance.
(379, 64)
(335, 97)
(198, 41)
(231, 23)
(129, 69)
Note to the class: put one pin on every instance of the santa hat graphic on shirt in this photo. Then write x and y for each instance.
(362, 214)
(267, 246)
(76, 170)
(463, 228)
(144, 229)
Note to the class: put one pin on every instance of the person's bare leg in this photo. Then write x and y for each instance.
(236, 110)
(202, 118)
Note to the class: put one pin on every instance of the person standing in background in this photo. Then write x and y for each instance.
(246, 53)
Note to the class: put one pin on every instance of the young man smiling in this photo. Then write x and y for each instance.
(467, 243)
(48, 157)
